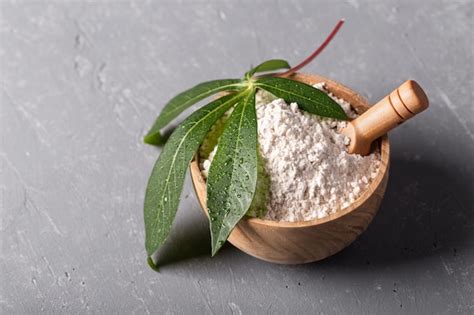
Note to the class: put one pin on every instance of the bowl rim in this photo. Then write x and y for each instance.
(360, 104)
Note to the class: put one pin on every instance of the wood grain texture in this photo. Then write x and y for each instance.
(400, 105)
(309, 241)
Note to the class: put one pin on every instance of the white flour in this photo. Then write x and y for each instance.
(310, 173)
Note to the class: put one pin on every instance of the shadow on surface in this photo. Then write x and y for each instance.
(189, 239)
(426, 211)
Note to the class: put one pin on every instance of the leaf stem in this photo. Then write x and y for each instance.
(315, 53)
(152, 264)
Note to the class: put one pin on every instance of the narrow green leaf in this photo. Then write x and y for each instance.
(269, 65)
(166, 180)
(258, 207)
(309, 99)
(185, 99)
(233, 173)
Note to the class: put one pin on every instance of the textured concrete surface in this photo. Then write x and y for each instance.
(81, 83)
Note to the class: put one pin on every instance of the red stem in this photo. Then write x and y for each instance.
(315, 53)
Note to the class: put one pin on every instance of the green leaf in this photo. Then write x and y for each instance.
(258, 207)
(309, 99)
(185, 99)
(269, 65)
(233, 172)
(166, 180)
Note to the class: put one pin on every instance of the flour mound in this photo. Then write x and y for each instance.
(311, 175)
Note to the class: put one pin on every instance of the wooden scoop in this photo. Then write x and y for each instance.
(402, 104)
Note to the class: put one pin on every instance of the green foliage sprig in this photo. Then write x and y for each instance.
(232, 179)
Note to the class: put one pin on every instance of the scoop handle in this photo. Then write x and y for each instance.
(402, 104)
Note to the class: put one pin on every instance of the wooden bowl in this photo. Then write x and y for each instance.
(308, 241)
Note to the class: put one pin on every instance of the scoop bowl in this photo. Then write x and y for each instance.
(309, 241)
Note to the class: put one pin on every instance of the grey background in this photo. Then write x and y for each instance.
(81, 83)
